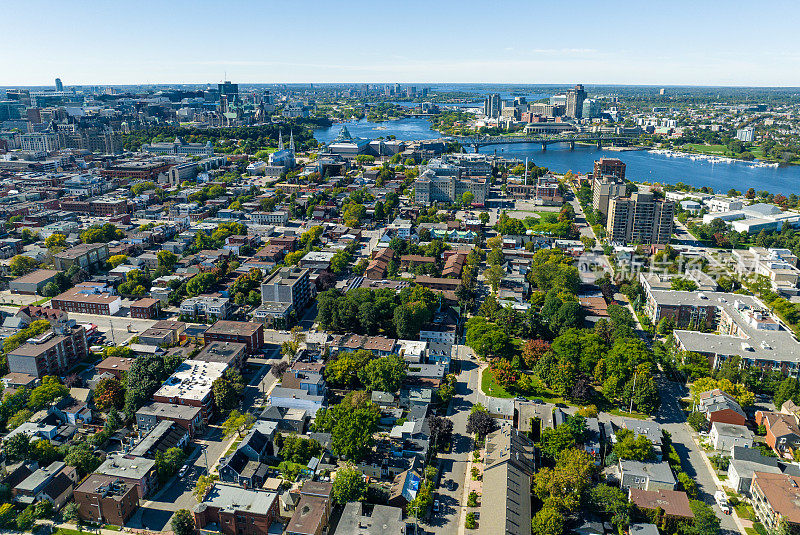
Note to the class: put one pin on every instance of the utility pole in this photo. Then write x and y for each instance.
(633, 392)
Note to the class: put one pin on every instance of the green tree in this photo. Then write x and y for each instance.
(55, 240)
(633, 448)
(610, 501)
(18, 447)
(562, 486)
(351, 424)
(166, 259)
(349, 485)
(548, 521)
(237, 423)
(81, 456)
(494, 275)
(705, 522)
(182, 522)
(50, 390)
(385, 373)
(22, 265)
(225, 397)
(116, 260)
(70, 512)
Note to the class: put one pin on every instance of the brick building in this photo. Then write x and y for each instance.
(106, 499)
(233, 510)
(146, 308)
(243, 332)
(53, 353)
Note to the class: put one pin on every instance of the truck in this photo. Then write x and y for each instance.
(722, 500)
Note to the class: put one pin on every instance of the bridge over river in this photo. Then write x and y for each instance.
(477, 142)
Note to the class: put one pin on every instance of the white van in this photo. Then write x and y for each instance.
(722, 500)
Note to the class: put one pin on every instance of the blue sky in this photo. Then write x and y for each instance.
(702, 42)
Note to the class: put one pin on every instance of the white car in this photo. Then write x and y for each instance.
(183, 470)
(722, 500)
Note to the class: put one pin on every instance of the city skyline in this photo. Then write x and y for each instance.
(118, 43)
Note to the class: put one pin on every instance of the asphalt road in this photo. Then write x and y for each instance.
(454, 464)
(672, 419)
(177, 493)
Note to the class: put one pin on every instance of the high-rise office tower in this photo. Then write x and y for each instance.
(491, 106)
(59, 85)
(228, 89)
(575, 98)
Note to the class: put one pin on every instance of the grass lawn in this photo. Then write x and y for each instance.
(745, 511)
(490, 387)
(233, 446)
(757, 529)
(717, 150)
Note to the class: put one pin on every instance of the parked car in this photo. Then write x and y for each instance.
(183, 470)
(435, 506)
(722, 500)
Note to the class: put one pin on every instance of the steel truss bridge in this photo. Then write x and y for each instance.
(477, 142)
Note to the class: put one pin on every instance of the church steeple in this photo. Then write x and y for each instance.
(291, 140)
(280, 140)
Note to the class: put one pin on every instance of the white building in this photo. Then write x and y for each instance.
(39, 142)
(745, 135)
(725, 436)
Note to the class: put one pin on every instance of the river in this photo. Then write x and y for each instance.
(642, 166)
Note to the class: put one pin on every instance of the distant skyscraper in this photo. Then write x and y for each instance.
(397, 89)
(491, 106)
(229, 89)
(59, 85)
(575, 98)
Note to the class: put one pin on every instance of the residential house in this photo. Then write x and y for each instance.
(674, 503)
(295, 398)
(783, 433)
(646, 475)
(648, 429)
(365, 519)
(725, 436)
(313, 511)
(165, 435)
(187, 416)
(289, 420)
(54, 483)
(745, 461)
(719, 406)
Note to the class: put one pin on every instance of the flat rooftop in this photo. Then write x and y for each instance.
(192, 380)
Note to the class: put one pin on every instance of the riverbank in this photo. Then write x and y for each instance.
(712, 158)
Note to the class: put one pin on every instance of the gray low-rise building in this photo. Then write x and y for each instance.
(646, 475)
(745, 461)
(380, 520)
(163, 436)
